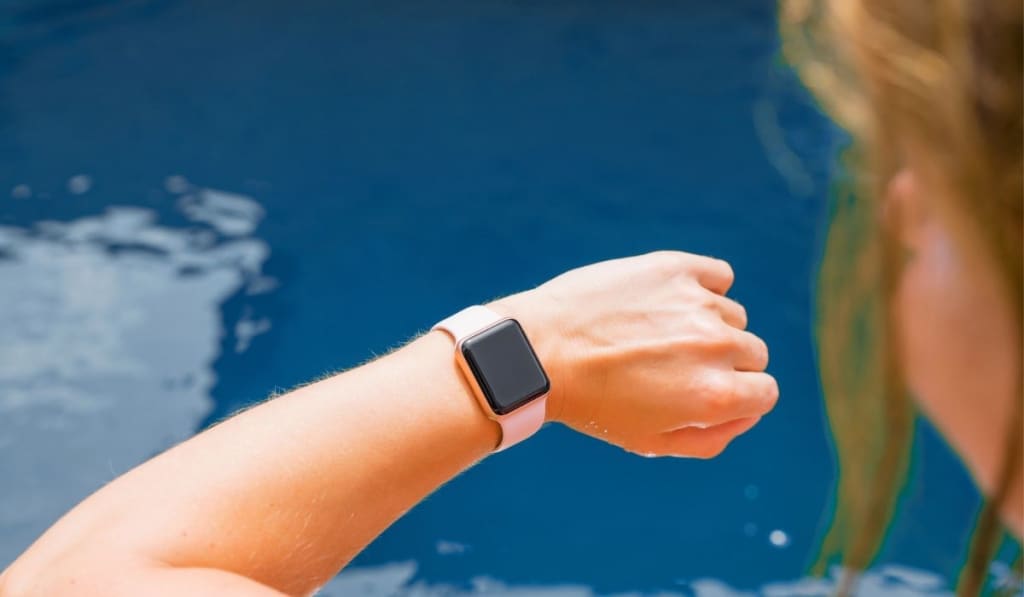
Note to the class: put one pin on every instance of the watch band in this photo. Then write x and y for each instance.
(518, 424)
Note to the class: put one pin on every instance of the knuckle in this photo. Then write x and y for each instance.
(752, 349)
(741, 314)
(772, 392)
(666, 262)
(709, 303)
(721, 403)
(720, 394)
(717, 338)
(760, 349)
(725, 269)
(764, 396)
(720, 268)
(690, 293)
(665, 256)
(722, 385)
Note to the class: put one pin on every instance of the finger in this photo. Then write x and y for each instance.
(751, 352)
(732, 312)
(736, 395)
(714, 274)
(758, 392)
(695, 442)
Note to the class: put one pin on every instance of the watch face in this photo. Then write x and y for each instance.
(505, 366)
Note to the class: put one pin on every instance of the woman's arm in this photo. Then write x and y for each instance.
(278, 498)
(285, 493)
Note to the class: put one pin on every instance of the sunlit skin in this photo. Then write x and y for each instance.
(958, 334)
(646, 353)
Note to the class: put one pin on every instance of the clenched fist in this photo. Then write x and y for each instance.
(648, 353)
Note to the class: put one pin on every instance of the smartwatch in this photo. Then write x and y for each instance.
(501, 367)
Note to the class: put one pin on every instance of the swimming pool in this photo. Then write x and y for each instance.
(205, 202)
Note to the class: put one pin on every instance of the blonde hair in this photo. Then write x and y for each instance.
(944, 75)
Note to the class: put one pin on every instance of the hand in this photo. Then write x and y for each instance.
(648, 354)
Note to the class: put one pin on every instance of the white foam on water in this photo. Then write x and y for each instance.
(399, 580)
(109, 327)
(449, 548)
(247, 328)
(230, 214)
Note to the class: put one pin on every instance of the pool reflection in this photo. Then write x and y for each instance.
(110, 328)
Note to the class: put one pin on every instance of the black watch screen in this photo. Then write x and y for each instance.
(505, 366)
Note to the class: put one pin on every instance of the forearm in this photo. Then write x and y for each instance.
(288, 492)
(646, 353)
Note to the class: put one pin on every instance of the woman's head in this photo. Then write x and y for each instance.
(920, 287)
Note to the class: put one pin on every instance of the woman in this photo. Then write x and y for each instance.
(920, 289)
(922, 277)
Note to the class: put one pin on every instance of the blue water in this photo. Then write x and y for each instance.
(361, 145)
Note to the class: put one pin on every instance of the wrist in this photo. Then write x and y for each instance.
(458, 404)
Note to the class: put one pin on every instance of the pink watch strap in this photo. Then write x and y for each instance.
(522, 422)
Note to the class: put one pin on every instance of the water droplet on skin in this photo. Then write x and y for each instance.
(778, 538)
(22, 191)
(79, 184)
